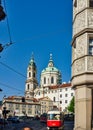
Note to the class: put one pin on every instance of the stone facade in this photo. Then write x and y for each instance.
(82, 59)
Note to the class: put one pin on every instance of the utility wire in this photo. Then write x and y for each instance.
(10, 39)
(12, 69)
(3, 84)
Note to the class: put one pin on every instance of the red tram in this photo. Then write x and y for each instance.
(55, 120)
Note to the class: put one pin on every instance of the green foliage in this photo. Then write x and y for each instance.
(71, 105)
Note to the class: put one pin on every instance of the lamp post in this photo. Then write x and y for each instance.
(2, 13)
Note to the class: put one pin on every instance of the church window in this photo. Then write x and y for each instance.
(54, 99)
(90, 46)
(44, 80)
(29, 74)
(34, 75)
(90, 3)
(28, 86)
(52, 79)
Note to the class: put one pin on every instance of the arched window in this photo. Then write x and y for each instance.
(28, 86)
(52, 80)
(44, 80)
(54, 99)
(34, 75)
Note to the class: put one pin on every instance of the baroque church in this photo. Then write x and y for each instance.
(41, 98)
(50, 85)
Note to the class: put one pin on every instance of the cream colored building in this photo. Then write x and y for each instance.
(46, 104)
(29, 107)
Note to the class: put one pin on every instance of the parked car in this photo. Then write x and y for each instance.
(13, 119)
(43, 117)
(22, 118)
(3, 121)
(36, 117)
(69, 117)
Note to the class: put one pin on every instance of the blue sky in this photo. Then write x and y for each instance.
(38, 26)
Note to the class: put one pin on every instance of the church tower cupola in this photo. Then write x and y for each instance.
(51, 64)
(31, 82)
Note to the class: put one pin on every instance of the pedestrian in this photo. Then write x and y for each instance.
(27, 128)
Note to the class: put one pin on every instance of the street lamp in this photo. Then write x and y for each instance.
(2, 13)
(2, 47)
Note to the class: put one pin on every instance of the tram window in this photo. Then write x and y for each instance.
(53, 116)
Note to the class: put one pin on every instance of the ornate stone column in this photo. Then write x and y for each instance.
(82, 62)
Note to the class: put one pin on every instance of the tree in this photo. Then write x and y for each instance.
(71, 105)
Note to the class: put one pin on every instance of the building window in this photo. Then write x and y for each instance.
(60, 90)
(90, 46)
(34, 75)
(66, 95)
(48, 80)
(55, 91)
(60, 102)
(90, 3)
(54, 99)
(44, 80)
(71, 94)
(52, 80)
(65, 101)
(66, 89)
(39, 93)
(60, 95)
(28, 86)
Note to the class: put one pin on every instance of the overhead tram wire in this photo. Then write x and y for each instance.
(8, 27)
(12, 69)
(8, 86)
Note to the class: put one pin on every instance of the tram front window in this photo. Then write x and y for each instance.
(53, 116)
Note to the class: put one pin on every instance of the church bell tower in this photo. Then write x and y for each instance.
(82, 63)
(31, 82)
